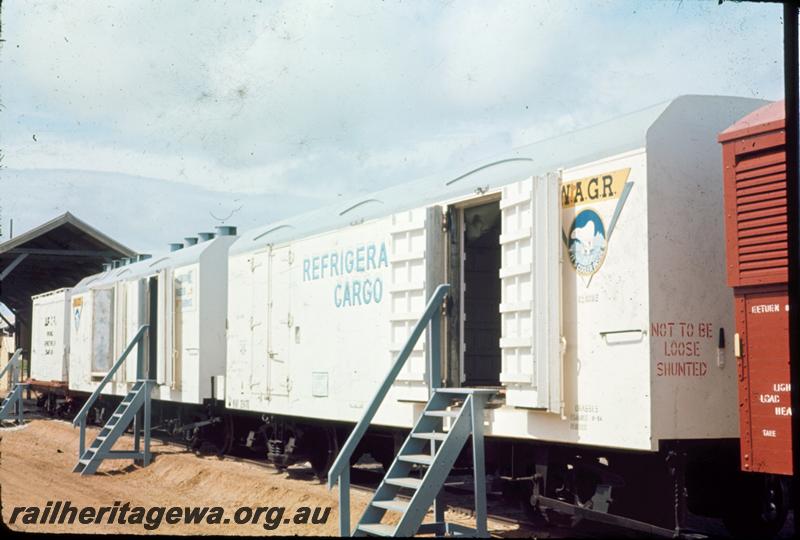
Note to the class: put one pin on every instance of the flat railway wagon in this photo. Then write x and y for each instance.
(50, 352)
(587, 290)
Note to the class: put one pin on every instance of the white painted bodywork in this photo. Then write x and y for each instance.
(50, 336)
(292, 351)
(192, 294)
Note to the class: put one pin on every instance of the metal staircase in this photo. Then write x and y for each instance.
(134, 408)
(123, 416)
(12, 404)
(434, 451)
(428, 448)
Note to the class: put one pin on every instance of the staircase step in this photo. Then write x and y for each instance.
(443, 414)
(465, 391)
(404, 482)
(421, 459)
(377, 529)
(395, 505)
(433, 436)
(84, 462)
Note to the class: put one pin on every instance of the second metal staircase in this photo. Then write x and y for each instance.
(125, 414)
(134, 409)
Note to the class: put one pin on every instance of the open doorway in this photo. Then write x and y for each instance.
(481, 294)
(152, 333)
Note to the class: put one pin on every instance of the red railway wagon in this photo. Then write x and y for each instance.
(754, 162)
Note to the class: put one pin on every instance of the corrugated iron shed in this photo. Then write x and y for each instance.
(56, 254)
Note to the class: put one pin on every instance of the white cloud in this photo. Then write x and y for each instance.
(315, 99)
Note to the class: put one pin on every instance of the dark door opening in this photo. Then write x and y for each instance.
(481, 273)
(152, 332)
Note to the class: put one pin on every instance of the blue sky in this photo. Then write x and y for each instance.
(303, 102)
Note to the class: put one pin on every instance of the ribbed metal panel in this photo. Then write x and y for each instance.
(760, 202)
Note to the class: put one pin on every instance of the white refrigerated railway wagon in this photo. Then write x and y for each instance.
(183, 293)
(586, 273)
(50, 336)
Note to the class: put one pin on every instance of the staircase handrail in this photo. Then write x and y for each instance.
(343, 459)
(15, 359)
(81, 416)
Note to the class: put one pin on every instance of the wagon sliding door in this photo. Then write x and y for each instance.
(530, 305)
(416, 261)
(280, 322)
(246, 373)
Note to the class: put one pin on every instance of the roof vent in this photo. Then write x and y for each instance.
(204, 236)
(362, 203)
(226, 230)
(190, 240)
(107, 267)
(175, 246)
(143, 256)
(116, 263)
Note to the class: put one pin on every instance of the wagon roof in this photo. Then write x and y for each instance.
(173, 259)
(615, 136)
(767, 118)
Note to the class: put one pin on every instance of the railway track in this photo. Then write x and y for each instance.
(364, 478)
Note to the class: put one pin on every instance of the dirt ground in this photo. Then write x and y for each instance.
(36, 462)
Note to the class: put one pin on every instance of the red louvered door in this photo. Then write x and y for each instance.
(756, 211)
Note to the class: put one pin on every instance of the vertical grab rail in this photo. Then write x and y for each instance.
(340, 470)
(83, 413)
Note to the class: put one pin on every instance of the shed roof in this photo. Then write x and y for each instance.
(56, 254)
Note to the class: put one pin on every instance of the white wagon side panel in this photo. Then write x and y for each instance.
(335, 340)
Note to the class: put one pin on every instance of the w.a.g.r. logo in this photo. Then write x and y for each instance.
(587, 242)
(584, 232)
(77, 308)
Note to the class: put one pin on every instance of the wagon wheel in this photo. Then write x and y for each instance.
(226, 428)
(759, 508)
(323, 449)
(205, 440)
(192, 438)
